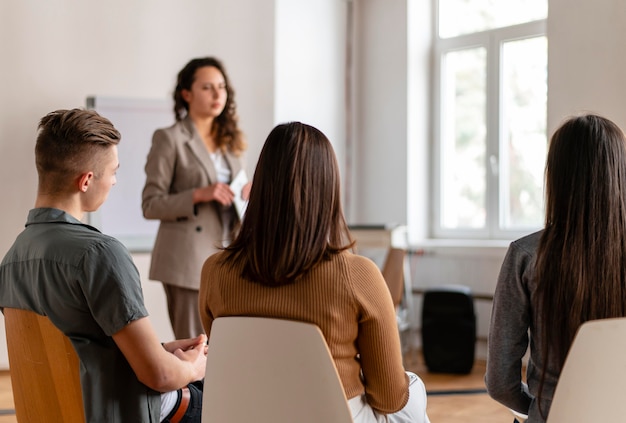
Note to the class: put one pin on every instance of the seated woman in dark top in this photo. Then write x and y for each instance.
(570, 272)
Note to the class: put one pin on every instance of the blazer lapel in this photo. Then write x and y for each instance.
(233, 162)
(199, 150)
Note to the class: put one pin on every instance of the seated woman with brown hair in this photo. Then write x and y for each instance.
(291, 260)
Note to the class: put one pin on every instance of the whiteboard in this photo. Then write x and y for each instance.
(121, 215)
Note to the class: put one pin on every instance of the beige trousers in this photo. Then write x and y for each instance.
(182, 306)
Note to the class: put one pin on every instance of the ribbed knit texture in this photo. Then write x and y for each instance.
(346, 297)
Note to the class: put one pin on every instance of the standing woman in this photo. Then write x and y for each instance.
(188, 171)
(572, 271)
(291, 261)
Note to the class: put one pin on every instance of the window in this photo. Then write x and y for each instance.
(490, 114)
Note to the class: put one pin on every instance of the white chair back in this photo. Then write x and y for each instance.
(591, 384)
(266, 370)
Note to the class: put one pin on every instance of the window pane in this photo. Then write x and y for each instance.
(463, 134)
(524, 143)
(458, 17)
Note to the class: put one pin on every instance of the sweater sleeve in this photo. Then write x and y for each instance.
(206, 316)
(378, 340)
(508, 332)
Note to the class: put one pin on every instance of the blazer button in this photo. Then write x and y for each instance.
(198, 228)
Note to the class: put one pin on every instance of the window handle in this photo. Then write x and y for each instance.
(493, 164)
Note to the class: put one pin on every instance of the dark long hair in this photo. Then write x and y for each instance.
(225, 129)
(581, 259)
(294, 218)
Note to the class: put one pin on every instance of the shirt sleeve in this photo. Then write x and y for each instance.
(112, 286)
(508, 332)
(378, 340)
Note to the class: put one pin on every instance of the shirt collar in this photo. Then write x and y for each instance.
(52, 215)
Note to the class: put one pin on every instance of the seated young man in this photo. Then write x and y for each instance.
(88, 286)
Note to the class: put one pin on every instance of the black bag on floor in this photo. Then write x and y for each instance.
(448, 329)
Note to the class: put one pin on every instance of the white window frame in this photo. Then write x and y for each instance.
(492, 40)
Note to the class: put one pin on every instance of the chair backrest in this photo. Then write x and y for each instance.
(44, 370)
(393, 272)
(591, 384)
(270, 370)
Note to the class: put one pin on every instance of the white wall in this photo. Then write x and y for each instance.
(310, 66)
(586, 59)
(390, 149)
(381, 90)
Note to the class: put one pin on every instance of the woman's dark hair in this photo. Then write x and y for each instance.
(294, 218)
(581, 259)
(226, 131)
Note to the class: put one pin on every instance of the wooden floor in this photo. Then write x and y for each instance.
(7, 413)
(451, 398)
(457, 398)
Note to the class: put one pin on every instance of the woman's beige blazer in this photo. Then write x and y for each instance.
(178, 163)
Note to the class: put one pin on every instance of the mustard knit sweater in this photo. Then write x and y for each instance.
(346, 297)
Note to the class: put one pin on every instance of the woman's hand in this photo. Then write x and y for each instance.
(245, 191)
(219, 192)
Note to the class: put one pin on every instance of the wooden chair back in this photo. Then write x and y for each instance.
(393, 272)
(44, 370)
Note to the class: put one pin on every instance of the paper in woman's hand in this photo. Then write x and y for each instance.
(237, 184)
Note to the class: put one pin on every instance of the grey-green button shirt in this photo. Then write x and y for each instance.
(89, 287)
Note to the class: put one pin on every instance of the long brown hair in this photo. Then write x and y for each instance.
(225, 129)
(581, 259)
(294, 218)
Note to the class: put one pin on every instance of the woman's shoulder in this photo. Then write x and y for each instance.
(216, 260)
(359, 265)
(528, 244)
(356, 259)
(178, 130)
(362, 279)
